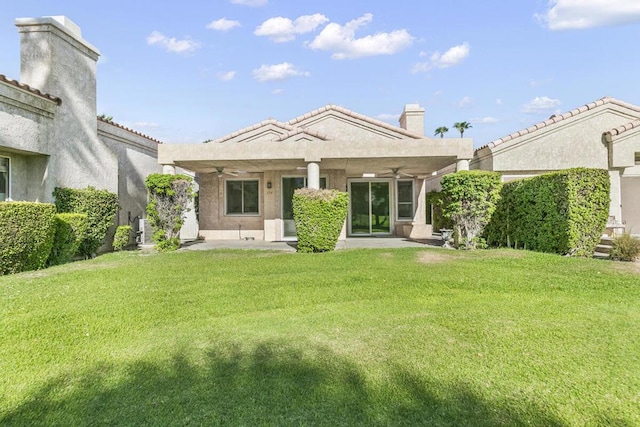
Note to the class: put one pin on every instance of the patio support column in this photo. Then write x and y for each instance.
(168, 169)
(615, 206)
(313, 175)
(462, 165)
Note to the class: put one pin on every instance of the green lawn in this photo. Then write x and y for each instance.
(360, 337)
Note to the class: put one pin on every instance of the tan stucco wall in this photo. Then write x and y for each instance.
(630, 189)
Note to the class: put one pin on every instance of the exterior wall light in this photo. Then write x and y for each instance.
(268, 184)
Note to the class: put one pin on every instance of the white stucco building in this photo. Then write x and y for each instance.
(50, 135)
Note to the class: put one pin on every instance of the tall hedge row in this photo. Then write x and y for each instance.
(71, 230)
(319, 216)
(435, 203)
(100, 206)
(26, 235)
(562, 212)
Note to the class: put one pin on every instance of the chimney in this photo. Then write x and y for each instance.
(412, 119)
(55, 59)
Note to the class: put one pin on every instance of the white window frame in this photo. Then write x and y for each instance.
(226, 197)
(8, 195)
(398, 202)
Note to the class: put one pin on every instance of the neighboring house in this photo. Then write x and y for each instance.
(247, 178)
(50, 135)
(604, 134)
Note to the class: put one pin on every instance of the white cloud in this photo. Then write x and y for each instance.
(267, 73)
(499, 101)
(226, 75)
(342, 42)
(465, 102)
(223, 24)
(253, 3)
(581, 14)
(171, 44)
(451, 57)
(484, 120)
(282, 30)
(540, 105)
(277, 91)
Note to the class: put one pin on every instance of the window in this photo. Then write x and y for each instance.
(4, 178)
(243, 197)
(405, 199)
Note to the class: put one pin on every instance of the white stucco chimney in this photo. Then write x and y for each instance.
(412, 119)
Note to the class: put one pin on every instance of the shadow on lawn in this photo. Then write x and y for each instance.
(271, 385)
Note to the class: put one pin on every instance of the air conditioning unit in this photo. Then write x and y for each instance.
(144, 233)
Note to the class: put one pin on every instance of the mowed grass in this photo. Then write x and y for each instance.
(359, 337)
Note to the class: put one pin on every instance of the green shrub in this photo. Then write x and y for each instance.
(625, 248)
(100, 206)
(71, 230)
(169, 196)
(562, 212)
(319, 216)
(122, 237)
(435, 211)
(470, 199)
(26, 235)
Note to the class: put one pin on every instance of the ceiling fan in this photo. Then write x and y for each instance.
(221, 172)
(395, 172)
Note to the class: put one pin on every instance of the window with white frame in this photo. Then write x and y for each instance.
(404, 199)
(243, 197)
(4, 179)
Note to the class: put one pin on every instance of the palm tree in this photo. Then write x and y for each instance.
(441, 131)
(462, 126)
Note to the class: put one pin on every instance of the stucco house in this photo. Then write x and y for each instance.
(603, 134)
(247, 178)
(50, 135)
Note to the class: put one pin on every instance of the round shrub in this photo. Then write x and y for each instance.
(26, 235)
(625, 248)
(122, 237)
(319, 216)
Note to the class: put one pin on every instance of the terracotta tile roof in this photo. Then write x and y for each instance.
(355, 115)
(560, 117)
(28, 88)
(624, 128)
(112, 123)
(298, 131)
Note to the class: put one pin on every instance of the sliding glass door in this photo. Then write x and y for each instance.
(370, 208)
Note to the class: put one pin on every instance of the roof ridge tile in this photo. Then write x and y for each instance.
(111, 122)
(28, 88)
(559, 117)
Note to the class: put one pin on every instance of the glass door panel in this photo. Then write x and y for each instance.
(380, 200)
(360, 208)
(370, 208)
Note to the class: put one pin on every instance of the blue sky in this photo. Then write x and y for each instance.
(193, 70)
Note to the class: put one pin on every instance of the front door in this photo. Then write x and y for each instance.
(370, 208)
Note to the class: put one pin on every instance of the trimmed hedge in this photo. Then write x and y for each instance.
(100, 206)
(319, 216)
(435, 199)
(26, 235)
(470, 199)
(122, 237)
(562, 212)
(71, 230)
